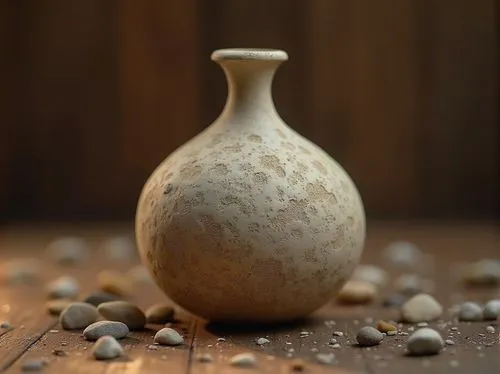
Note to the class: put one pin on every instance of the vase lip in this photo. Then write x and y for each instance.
(264, 54)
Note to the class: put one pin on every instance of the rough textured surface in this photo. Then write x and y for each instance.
(249, 220)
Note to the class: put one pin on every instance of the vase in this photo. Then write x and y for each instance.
(249, 221)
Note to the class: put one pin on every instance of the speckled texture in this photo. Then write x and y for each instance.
(249, 220)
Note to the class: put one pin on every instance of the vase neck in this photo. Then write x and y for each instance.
(249, 74)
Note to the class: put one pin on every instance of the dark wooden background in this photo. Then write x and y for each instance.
(94, 94)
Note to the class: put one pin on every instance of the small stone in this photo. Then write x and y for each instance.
(357, 292)
(107, 348)
(114, 282)
(262, 341)
(160, 314)
(369, 336)
(470, 311)
(394, 300)
(69, 250)
(33, 365)
(490, 329)
(314, 349)
(338, 333)
(97, 298)
(335, 346)
(454, 328)
(168, 336)
(78, 315)
(449, 342)
(298, 365)
(5, 325)
(221, 340)
(391, 333)
(119, 248)
(425, 341)
(485, 272)
(63, 288)
(20, 271)
(140, 275)
(403, 253)
(491, 310)
(204, 357)
(123, 311)
(245, 360)
(421, 308)
(332, 341)
(422, 324)
(96, 330)
(59, 352)
(55, 307)
(384, 326)
(325, 358)
(371, 274)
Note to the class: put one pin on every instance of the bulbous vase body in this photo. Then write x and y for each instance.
(250, 221)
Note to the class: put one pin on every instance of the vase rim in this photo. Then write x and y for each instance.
(249, 54)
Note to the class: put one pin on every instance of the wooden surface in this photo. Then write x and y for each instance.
(95, 94)
(35, 334)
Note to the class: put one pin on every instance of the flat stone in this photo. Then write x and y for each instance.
(491, 310)
(357, 292)
(160, 313)
(421, 308)
(470, 311)
(123, 311)
(384, 326)
(64, 287)
(244, 360)
(168, 336)
(107, 348)
(69, 250)
(78, 315)
(425, 341)
(371, 274)
(55, 307)
(117, 330)
(97, 298)
(369, 336)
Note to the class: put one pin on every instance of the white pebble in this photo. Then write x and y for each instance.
(78, 315)
(243, 360)
(470, 311)
(421, 308)
(490, 329)
(369, 336)
(117, 330)
(262, 341)
(168, 336)
(422, 324)
(338, 333)
(403, 253)
(119, 248)
(425, 341)
(491, 310)
(449, 342)
(64, 287)
(336, 346)
(107, 348)
(69, 250)
(204, 357)
(371, 274)
(325, 358)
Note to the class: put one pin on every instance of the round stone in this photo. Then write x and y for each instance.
(123, 311)
(491, 310)
(371, 274)
(97, 298)
(368, 336)
(168, 336)
(55, 307)
(78, 315)
(425, 341)
(357, 292)
(384, 326)
(421, 308)
(117, 330)
(246, 360)
(403, 253)
(262, 341)
(63, 288)
(485, 272)
(470, 311)
(160, 313)
(106, 348)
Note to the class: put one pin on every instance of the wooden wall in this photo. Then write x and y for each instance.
(403, 93)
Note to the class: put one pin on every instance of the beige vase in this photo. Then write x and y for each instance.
(250, 221)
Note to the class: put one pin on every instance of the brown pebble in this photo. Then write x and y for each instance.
(384, 326)
(59, 352)
(357, 292)
(56, 306)
(298, 365)
(114, 282)
(160, 313)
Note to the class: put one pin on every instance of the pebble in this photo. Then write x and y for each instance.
(221, 340)
(325, 358)
(369, 336)
(421, 308)
(338, 333)
(119, 248)
(335, 346)
(168, 336)
(262, 341)
(449, 342)
(425, 341)
(490, 329)
(391, 333)
(371, 274)
(403, 253)
(96, 330)
(78, 315)
(55, 307)
(114, 282)
(394, 300)
(160, 313)
(123, 311)
(139, 274)
(384, 326)
(64, 287)
(69, 250)
(106, 348)
(491, 310)
(204, 357)
(422, 324)
(357, 292)
(59, 352)
(470, 311)
(245, 360)
(298, 365)
(97, 298)
(21, 271)
(485, 272)
(33, 365)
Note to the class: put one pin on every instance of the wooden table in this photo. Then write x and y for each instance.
(35, 334)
